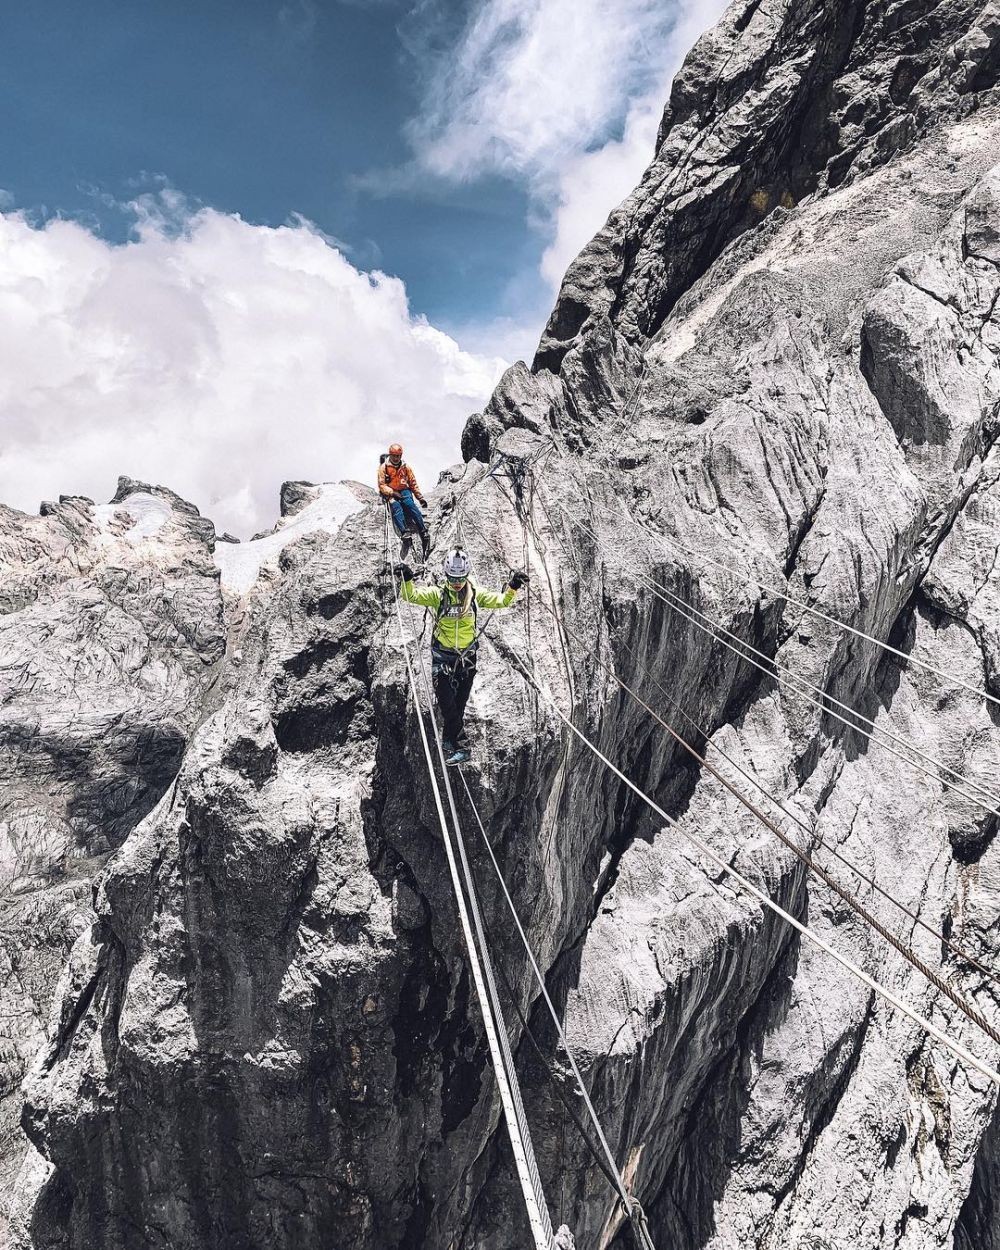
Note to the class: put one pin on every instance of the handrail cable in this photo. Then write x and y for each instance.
(869, 880)
(828, 698)
(727, 869)
(520, 1139)
(814, 611)
(788, 680)
(810, 830)
(971, 1013)
(792, 681)
(947, 776)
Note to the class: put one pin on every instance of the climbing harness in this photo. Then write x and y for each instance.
(479, 963)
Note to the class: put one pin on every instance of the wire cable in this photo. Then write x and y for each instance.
(956, 950)
(799, 686)
(975, 793)
(964, 954)
(976, 1017)
(610, 1172)
(818, 612)
(726, 868)
(514, 1091)
(906, 951)
(608, 1164)
(971, 1013)
(632, 1208)
(526, 1165)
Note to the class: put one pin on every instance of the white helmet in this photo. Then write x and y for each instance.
(457, 564)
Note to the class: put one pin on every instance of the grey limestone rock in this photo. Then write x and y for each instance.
(771, 380)
(296, 495)
(110, 639)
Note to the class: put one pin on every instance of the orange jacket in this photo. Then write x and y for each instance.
(392, 478)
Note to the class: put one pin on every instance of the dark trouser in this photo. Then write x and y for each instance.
(453, 672)
(404, 511)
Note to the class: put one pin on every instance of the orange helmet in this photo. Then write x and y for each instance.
(395, 450)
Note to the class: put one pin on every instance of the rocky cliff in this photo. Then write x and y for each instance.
(782, 355)
(111, 635)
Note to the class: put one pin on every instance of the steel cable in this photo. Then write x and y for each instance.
(767, 901)
(499, 1045)
(727, 869)
(818, 612)
(610, 1168)
(850, 899)
(976, 794)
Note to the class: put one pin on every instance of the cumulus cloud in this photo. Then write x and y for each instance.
(565, 95)
(215, 357)
(589, 184)
(533, 80)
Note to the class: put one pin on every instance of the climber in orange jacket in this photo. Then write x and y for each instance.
(397, 484)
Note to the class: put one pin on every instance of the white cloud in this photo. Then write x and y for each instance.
(565, 95)
(217, 358)
(589, 184)
(533, 80)
(511, 338)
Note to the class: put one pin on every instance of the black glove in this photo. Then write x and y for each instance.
(405, 572)
(517, 580)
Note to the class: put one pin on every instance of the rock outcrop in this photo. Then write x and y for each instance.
(111, 637)
(780, 356)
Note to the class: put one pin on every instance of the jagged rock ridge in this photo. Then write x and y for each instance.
(111, 635)
(782, 350)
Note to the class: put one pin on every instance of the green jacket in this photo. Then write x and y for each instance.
(456, 617)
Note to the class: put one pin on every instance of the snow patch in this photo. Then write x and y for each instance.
(138, 516)
(240, 563)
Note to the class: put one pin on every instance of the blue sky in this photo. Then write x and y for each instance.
(256, 240)
(256, 107)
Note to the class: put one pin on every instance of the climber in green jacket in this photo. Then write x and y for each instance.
(455, 640)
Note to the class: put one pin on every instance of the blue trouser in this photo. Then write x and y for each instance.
(405, 510)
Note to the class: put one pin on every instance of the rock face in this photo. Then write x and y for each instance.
(781, 357)
(111, 636)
